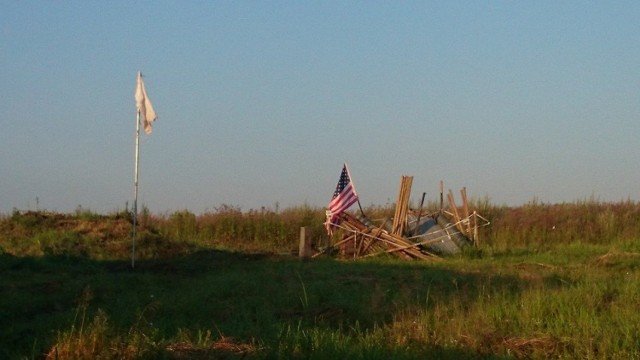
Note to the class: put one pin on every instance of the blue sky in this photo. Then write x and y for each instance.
(260, 102)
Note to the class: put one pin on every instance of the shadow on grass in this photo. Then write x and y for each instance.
(260, 298)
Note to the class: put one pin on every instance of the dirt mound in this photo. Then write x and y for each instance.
(37, 233)
(97, 226)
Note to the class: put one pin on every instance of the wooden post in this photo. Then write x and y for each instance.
(415, 229)
(465, 208)
(475, 228)
(441, 194)
(305, 250)
(454, 210)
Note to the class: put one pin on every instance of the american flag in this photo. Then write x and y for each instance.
(344, 196)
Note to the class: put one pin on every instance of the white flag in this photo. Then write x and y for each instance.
(143, 104)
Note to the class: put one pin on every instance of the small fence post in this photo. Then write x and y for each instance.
(305, 250)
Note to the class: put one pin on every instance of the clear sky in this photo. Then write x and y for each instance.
(261, 102)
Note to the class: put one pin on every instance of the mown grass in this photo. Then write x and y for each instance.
(208, 286)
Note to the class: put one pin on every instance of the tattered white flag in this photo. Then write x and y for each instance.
(144, 106)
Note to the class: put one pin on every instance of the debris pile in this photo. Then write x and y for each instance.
(410, 234)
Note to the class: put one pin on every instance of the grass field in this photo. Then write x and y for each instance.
(548, 281)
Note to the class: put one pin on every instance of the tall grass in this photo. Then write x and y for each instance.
(256, 230)
(547, 281)
(542, 226)
(533, 226)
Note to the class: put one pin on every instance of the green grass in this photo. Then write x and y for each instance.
(284, 308)
(67, 289)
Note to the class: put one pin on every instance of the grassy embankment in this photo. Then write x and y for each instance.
(548, 281)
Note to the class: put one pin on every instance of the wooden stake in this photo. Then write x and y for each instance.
(441, 194)
(415, 229)
(465, 208)
(475, 228)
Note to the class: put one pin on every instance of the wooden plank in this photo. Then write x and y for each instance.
(352, 223)
(402, 205)
(465, 208)
(416, 245)
(343, 244)
(344, 240)
(359, 247)
(454, 210)
(396, 214)
(374, 236)
(397, 241)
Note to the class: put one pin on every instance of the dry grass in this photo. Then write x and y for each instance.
(616, 257)
(223, 348)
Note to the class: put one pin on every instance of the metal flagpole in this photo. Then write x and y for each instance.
(135, 191)
(148, 115)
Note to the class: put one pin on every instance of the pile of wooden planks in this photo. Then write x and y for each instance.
(410, 236)
(363, 241)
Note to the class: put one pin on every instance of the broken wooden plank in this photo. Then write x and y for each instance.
(454, 210)
(465, 209)
(402, 206)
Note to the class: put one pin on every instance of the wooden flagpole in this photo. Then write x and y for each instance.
(353, 185)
